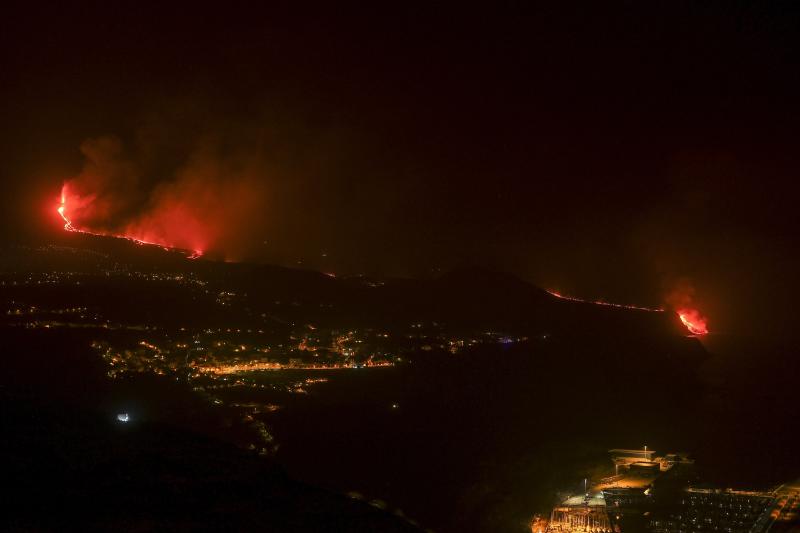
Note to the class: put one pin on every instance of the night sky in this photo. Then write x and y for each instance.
(606, 149)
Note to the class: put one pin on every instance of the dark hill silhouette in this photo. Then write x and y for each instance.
(463, 299)
(91, 475)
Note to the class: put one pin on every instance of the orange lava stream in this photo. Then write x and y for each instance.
(61, 208)
(69, 226)
(690, 318)
(695, 323)
(608, 304)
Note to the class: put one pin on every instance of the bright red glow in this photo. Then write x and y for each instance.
(213, 200)
(693, 321)
(691, 318)
(681, 297)
(70, 202)
(62, 209)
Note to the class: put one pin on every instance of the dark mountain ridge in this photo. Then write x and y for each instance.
(463, 299)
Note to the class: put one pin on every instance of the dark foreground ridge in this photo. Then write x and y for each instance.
(465, 299)
(92, 473)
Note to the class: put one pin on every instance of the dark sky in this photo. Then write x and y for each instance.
(608, 149)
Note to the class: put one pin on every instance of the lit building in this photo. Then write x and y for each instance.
(581, 514)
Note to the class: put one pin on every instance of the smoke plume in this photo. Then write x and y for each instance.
(681, 298)
(205, 203)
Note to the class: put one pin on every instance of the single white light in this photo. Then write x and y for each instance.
(123, 417)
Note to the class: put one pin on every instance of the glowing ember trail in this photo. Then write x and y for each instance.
(69, 226)
(608, 304)
(693, 321)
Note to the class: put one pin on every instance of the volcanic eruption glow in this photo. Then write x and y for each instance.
(691, 318)
(210, 198)
(681, 297)
(62, 208)
(63, 211)
(693, 321)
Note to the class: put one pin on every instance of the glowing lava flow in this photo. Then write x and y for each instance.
(61, 208)
(690, 318)
(69, 226)
(693, 321)
(608, 304)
